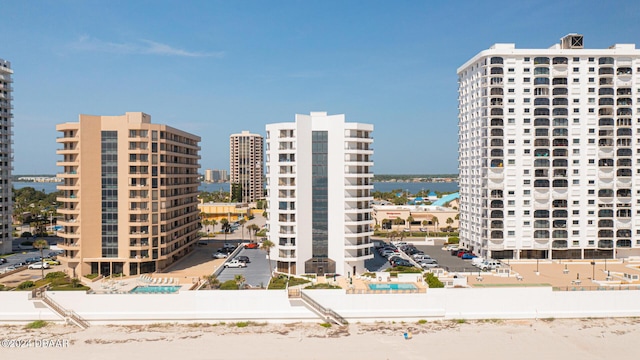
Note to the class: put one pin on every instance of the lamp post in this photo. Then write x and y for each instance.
(593, 270)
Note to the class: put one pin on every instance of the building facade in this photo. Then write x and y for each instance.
(130, 194)
(548, 151)
(220, 175)
(6, 156)
(319, 184)
(246, 162)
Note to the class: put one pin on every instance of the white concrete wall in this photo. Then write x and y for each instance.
(274, 306)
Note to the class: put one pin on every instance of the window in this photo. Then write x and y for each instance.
(511, 110)
(526, 70)
(527, 192)
(591, 242)
(576, 59)
(527, 100)
(576, 101)
(511, 101)
(511, 91)
(511, 70)
(592, 131)
(526, 223)
(511, 80)
(591, 192)
(526, 80)
(526, 111)
(576, 81)
(512, 151)
(576, 172)
(576, 162)
(592, 90)
(576, 121)
(526, 182)
(592, 110)
(526, 202)
(511, 202)
(527, 59)
(527, 131)
(513, 142)
(592, 100)
(591, 202)
(527, 121)
(510, 193)
(526, 91)
(528, 151)
(511, 121)
(576, 141)
(511, 162)
(591, 80)
(511, 213)
(526, 212)
(592, 161)
(576, 212)
(575, 69)
(576, 111)
(576, 181)
(576, 151)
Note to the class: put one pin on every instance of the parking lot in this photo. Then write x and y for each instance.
(257, 272)
(444, 258)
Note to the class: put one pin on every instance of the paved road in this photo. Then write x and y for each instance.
(257, 272)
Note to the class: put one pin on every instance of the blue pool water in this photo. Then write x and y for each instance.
(392, 287)
(154, 289)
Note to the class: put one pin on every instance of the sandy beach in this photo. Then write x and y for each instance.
(491, 339)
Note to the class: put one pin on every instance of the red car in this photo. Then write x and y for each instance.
(251, 246)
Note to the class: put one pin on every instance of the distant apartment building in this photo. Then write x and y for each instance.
(548, 151)
(246, 162)
(6, 156)
(220, 175)
(319, 184)
(208, 175)
(130, 194)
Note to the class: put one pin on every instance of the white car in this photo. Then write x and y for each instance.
(490, 265)
(219, 255)
(38, 265)
(418, 257)
(235, 264)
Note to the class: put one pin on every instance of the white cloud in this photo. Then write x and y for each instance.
(145, 47)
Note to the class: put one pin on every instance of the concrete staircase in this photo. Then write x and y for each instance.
(68, 315)
(297, 297)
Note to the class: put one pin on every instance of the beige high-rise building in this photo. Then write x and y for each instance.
(245, 165)
(130, 189)
(6, 155)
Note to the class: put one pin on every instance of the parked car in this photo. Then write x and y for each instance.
(33, 260)
(10, 268)
(20, 264)
(235, 264)
(3, 261)
(427, 261)
(401, 262)
(251, 245)
(467, 256)
(417, 257)
(429, 265)
(477, 261)
(460, 253)
(244, 259)
(490, 265)
(52, 262)
(219, 255)
(38, 265)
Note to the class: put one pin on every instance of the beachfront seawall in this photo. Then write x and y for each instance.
(275, 306)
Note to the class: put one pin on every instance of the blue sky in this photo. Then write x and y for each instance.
(214, 68)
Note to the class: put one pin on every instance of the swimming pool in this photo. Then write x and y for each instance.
(154, 289)
(392, 287)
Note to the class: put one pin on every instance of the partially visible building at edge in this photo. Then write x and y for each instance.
(319, 184)
(130, 194)
(246, 162)
(215, 175)
(6, 156)
(548, 142)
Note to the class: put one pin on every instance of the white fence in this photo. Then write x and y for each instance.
(274, 305)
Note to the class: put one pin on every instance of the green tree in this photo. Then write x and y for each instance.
(266, 246)
(449, 221)
(409, 221)
(212, 281)
(242, 222)
(213, 225)
(226, 227)
(397, 222)
(239, 279)
(253, 228)
(41, 244)
(236, 193)
(435, 223)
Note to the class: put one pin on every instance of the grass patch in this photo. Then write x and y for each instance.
(422, 321)
(323, 286)
(280, 282)
(91, 276)
(403, 269)
(242, 324)
(433, 281)
(548, 319)
(460, 321)
(325, 325)
(36, 324)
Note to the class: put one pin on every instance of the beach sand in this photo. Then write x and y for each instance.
(494, 339)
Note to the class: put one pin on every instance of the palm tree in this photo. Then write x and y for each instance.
(266, 246)
(435, 223)
(213, 225)
(449, 221)
(239, 279)
(253, 228)
(41, 244)
(242, 222)
(225, 227)
(409, 221)
(397, 221)
(212, 281)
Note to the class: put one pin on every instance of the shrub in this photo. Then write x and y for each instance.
(323, 286)
(91, 276)
(242, 324)
(229, 285)
(433, 281)
(26, 285)
(26, 234)
(422, 321)
(36, 324)
(454, 240)
(325, 325)
(55, 275)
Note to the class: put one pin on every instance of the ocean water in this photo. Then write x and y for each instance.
(412, 188)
